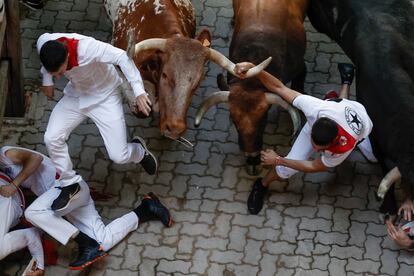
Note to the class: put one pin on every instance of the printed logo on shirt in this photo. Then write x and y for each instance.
(353, 120)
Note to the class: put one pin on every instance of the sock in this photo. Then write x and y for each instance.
(141, 211)
(84, 240)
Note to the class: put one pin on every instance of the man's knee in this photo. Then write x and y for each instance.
(53, 139)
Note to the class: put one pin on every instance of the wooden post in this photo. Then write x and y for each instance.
(15, 103)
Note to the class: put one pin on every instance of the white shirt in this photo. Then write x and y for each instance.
(96, 77)
(350, 115)
(40, 181)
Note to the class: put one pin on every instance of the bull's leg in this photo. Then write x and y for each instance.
(389, 205)
(253, 164)
(222, 83)
(298, 83)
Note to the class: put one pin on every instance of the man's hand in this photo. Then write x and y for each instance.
(143, 104)
(241, 69)
(407, 208)
(269, 157)
(7, 190)
(398, 235)
(49, 91)
(37, 272)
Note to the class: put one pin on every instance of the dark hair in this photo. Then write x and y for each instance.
(324, 131)
(52, 55)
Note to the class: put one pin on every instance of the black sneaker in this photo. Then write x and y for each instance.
(87, 255)
(33, 4)
(346, 70)
(148, 162)
(67, 194)
(152, 209)
(255, 200)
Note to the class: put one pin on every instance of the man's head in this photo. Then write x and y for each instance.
(324, 133)
(54, 57)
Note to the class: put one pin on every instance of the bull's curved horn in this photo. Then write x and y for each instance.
(150, 44)
(389, 179)
(224, 62)
(215, 98)
(293, 112)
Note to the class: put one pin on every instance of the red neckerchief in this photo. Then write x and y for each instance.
(72, 47)
(8, 179)
(344, 142)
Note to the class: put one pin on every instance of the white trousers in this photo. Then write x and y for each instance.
(302, 149)
(82, 216)
(15, 240)
(108, 117)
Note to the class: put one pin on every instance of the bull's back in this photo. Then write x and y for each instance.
(152, 19)
(264, 28)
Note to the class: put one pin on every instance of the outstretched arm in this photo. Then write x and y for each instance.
(272, 83)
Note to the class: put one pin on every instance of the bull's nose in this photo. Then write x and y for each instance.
(174, 129)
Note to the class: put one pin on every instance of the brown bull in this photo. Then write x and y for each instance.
(262, 28)
(170, 60)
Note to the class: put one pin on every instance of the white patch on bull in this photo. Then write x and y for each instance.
(112, 7)
(142, 18)
(158, 6)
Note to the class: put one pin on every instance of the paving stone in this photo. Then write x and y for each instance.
(321, 262)
(332, 238)
(302, 211)
(341, 221)
(357, 234)
(290, 229)
(174, 266)
(389, 262)
(294, 261)
(346, 252)
(263, 234)
(200, 262)
(279, 247)
(211, 243)
(363, 266)
(337, 267)
(237, 238)
(152, 252)
(268, 265)
(315, 224)
(222, 225)
(226, 257)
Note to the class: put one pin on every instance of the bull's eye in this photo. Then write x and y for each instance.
(164, 75)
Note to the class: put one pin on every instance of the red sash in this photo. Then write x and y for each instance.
(72, 47)
(344, 142)
(19, 192)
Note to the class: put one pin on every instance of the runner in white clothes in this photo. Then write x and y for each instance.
(30, 169)
(334, 127)
(92, 92)
(21, 167)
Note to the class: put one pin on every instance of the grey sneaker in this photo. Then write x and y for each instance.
(148, 162)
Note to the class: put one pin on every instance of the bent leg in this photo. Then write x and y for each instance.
(301, 150)
(88, 220)
(64, 118)
(110, 120)
(366, 149)
(40, 214)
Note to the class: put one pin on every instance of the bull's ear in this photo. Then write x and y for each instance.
(205, 37)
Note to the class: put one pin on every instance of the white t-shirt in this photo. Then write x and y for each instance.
(40, 181)
(350, 115)
(95, 78)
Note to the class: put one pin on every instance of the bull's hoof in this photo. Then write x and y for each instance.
(253, 169)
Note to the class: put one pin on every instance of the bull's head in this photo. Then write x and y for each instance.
(248, 111)
(182, 70)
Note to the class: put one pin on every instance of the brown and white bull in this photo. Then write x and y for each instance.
(168, 56)
(262, 28)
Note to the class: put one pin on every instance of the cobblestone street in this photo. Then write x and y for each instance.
(314, 224)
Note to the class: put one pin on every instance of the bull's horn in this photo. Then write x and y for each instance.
(224, 62)
(150, 44)
(294, 113)
(389, 179)
(215, 98)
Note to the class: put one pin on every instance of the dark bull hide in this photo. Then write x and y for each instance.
(262, 28)
(170, 60)
(378, 37)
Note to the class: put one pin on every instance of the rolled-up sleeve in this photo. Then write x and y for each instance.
(47, 79)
